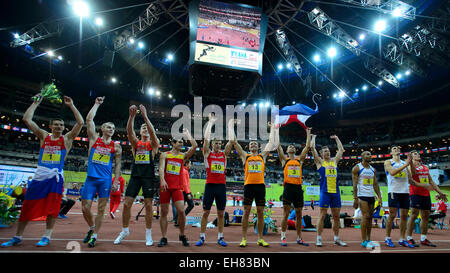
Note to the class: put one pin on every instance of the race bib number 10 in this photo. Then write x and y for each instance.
(217, 167)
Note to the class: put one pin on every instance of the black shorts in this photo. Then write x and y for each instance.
(293, 194)
(216, 192)
(369, 200)
(421, 202)
(136, 183)
(255, 192)
(398, 200)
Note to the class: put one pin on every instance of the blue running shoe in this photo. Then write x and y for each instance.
(301, 242)
(222, 242)
(43, 242)
(364, 244)
(62, 216)
(200, 242)
(405, 244)
(389, 243)
(13, 242)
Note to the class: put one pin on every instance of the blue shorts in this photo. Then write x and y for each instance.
(94, 185)
(330, 200)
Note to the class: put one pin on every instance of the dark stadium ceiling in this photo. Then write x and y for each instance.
(82, 70)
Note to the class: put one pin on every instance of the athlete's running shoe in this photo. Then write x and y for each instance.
(375, 243)
(405, 244)
(283, 242)
(364, 244)
(243, 243)
(92, 241)
(319, 242)
(222, 242)
(370, 245)
(13, 242)
(426, 242)
(339, 242)
(389, 243)
(43, 242)
(200, 242)
(412, 242)
(88, 236)
(263, 243)
(162, 242)
(148, 240)
(184, 240)
(301, 242)
(121, 236)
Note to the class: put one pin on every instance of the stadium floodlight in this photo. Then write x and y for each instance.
(293, 102)
(244, 104)
(254, 104)
(99, 21)
(357, 90)
(140, 45)
(50, 53)
(362, 36)
(113, 80)
(380, 26)
(267, 104)
(288, 65)
(380, 83)
(408, 72)
(316, 58)
(131, 41)
(399, 76)
(16, 35)
(332, 52)
(60, 58)
(261, 105)
(151, 91)
(81, 8)
(334, 95)
(158, 93)
(341, 94)
(364, 88)
(170, 96)
(280, 67)
(170, 57)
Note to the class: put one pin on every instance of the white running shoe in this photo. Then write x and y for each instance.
(339, 242)
(121, 236)
(370, 245)
(375, 244)
(319, 241)
(148, 240)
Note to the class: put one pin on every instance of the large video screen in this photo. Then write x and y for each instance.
(227, 24)
(227, 34)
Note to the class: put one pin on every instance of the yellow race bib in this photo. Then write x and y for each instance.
(400, 175)
(217, 167)
(424, 179)
(142, 157)
(368, 181)
(173, 167)
(101, 158)
(254, 167)
(51, 158)
(294, 171)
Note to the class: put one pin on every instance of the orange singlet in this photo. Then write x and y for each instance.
(254, 169)
(292, 172)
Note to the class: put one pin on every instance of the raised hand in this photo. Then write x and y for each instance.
(68, 101)
(186, 134)
(132, 110)
(37, 99)
(143, 110)
(334, 137)
(99, 100)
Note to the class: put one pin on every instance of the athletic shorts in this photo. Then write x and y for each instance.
(293, 194)
(421, 202)
(216, 192)
(330, 200)
(398, 200)
(136, 183)
(174, 194)
(94, 185)
(369, 200)
(255, 192)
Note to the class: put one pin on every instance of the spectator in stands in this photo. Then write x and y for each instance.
(66, 205)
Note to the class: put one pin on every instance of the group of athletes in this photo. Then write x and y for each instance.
(409, 182)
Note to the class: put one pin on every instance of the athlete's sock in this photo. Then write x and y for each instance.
(92, 227)
(48, 233)
(126, 230)
(18, 237)
(202, 235)
(148, 232)
(219, 235)
(319, 237)
(283, 235)
(409, 238)
(94, 235)
(423, 237)
(336, 238)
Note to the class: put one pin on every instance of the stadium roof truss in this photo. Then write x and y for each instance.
(376, 67)
(322, 22)
(390, 6)
(40, 32)
(393, 53)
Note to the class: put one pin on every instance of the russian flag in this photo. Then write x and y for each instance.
(299, 113)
